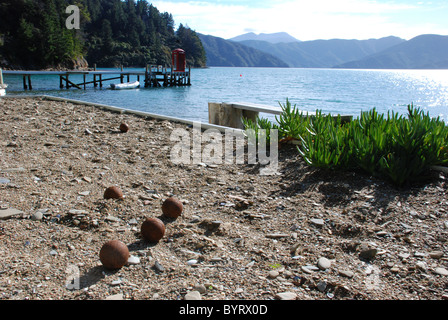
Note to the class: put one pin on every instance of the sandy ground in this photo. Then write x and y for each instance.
(304, 234)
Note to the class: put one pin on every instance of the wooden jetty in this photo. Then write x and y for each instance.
(154, 76)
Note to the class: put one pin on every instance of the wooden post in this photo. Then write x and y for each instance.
(189, 75)
(61, 85)
(127, 78)
(84, 78)
(1, 76)
(29, 83)
(24, 83)
(66, 81)
(101, 80)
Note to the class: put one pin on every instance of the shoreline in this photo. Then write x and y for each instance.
(252, 237)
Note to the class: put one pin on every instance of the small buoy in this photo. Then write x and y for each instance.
(113, 193)
(153, 229)
(172, 207)
(124, 127)
(114, 254)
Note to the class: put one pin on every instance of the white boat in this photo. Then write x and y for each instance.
(127, 85)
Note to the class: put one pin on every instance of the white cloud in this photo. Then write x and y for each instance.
(303, 19)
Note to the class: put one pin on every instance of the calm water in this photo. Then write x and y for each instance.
(329, 90)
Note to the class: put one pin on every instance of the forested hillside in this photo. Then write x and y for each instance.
(33, 35)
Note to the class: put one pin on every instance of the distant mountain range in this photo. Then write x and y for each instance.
(278, 37)
(224, 53)
(283, 50)
(422, 52)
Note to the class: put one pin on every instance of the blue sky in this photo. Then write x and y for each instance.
(311, 19)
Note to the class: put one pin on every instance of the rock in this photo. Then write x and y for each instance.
(193, 295)
(286, 296)
(200, 288)
(9, 213)
(346, 273)
(118, 296)
(192, 262)
(441, 271)
(273, 274)
(37, 216)
(133, 260)
(4, 180)
(323, 263)
(436, 254)
(321, 286)
(309, 269)
(368, 253)
(421, 265)
(318, 222)
(158, 267)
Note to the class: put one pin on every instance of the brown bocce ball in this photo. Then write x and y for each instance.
(124, 127)
(172, 208)
(114, 254)
(113, 193)
(153, 229)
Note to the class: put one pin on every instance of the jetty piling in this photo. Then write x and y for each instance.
(154, 76)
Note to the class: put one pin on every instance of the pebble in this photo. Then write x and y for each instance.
(192, 262)
(273, 274)
(369, 253)
(436, 254)
(133, 260)
(323, 263)
(309, 269)
(158, 267)
(118, 296)
(193, 295)
(441, 271)
(321, 286)
(200, 288)
(318, 222)
(286, 296)
(346, 273)
(37, 216)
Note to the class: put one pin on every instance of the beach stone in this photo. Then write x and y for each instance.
(193, 295)
(158, 267)
(318, 222)
(286, 296)
(192, 262)
(118, 296)
(133, 260)
(37, 216)
(4, 180)
(9, 213)
(200, 288)
(436, 254)
(273, 274)
(368, 253)
(346, 273)
(321, 286)
(323, 263)
(441, 271)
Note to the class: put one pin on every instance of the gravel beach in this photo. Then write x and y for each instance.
(303, 234)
